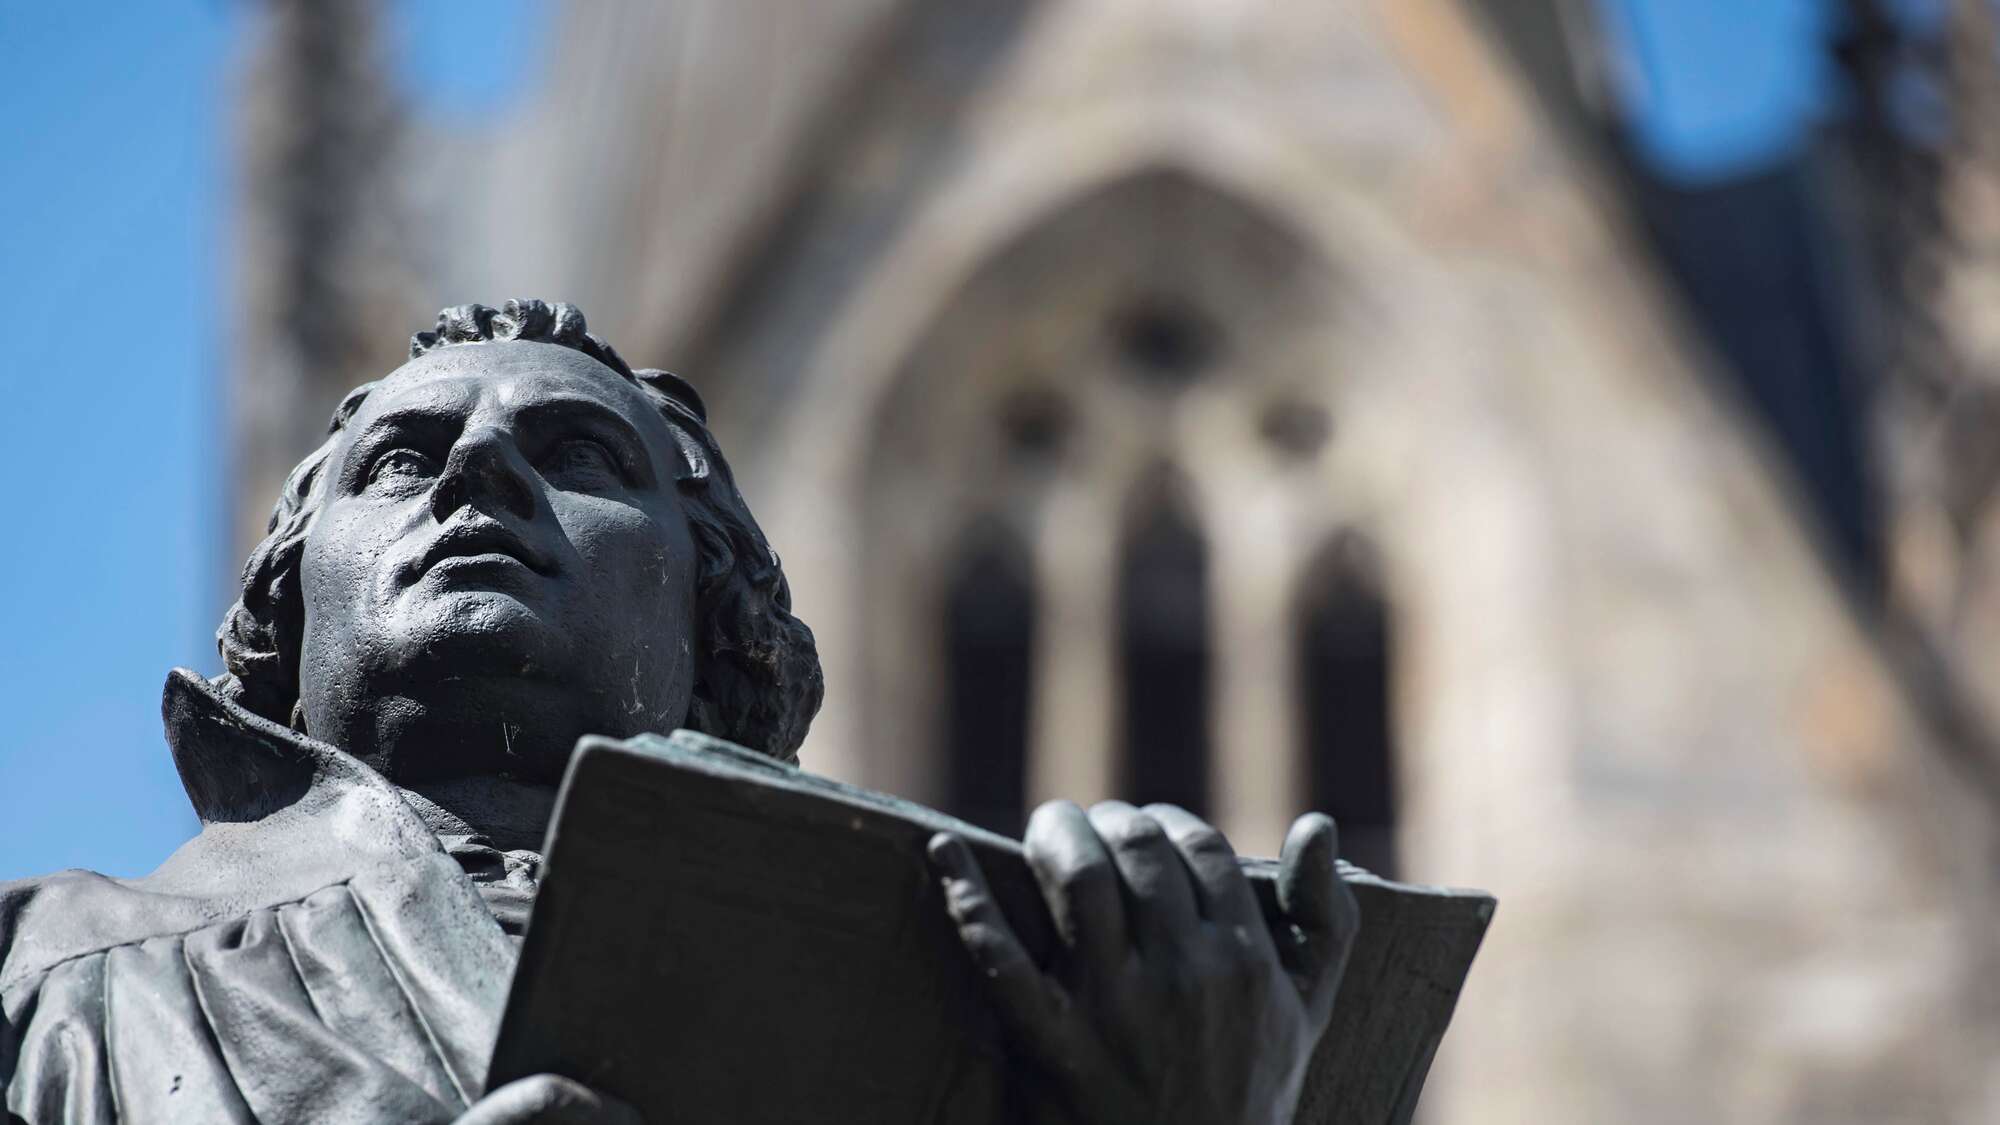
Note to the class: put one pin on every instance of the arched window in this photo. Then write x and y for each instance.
(1344, 693)
(1164, 651)
(989, 638)
(1141, 320)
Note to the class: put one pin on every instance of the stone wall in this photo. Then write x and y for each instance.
(1738, 880)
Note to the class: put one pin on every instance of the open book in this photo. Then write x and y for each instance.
(720, 937)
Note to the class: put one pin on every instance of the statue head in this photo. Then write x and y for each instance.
(511, 541)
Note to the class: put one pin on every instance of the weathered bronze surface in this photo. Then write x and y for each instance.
(849, 932)
(511, 542)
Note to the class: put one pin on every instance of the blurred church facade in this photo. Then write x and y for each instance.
(1254, 406)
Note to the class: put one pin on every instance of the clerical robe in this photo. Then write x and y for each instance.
(313, 955)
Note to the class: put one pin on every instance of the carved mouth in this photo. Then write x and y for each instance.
(483, 545)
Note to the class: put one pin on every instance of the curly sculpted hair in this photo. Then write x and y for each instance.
(758, 680)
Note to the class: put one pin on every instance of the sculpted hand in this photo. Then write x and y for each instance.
(548, 1099)
(1169, 998)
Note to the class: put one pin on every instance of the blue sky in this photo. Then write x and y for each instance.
(113, 256)
(1717, 88)
(112, 270)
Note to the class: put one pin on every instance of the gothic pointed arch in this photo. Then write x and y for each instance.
(1095, 343)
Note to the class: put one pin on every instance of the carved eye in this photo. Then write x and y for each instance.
(401, 468)
(580, 464)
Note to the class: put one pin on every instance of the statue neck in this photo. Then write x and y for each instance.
(508, 815)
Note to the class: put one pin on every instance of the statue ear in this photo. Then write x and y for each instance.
(676, 388)
(682, 401)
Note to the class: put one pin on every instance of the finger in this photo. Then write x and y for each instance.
(549, 1099)
(1031, 1004)
(1079, 882)
(1159, 900)
(1323, 914)
(1222, 894)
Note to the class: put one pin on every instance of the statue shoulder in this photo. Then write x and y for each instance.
(49, 919)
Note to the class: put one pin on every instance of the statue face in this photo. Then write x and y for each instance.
(501, 564)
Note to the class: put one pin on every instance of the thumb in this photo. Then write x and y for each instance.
(1323, 914)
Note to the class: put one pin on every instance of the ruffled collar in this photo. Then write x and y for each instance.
(238, 766)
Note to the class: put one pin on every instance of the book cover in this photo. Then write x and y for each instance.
(719, 936)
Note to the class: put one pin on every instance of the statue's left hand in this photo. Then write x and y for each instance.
(548, 1099)
(1170, 999)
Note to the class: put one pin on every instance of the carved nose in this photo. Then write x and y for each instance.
(484, 471)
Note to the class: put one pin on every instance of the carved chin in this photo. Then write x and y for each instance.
(478, 632)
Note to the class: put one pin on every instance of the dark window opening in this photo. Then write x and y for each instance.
(1163, 632)
(989, 641)
(1166, 340)
(1295, 428)
(1036, 422)
(1345, 693)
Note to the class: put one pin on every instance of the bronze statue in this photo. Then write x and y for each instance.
(512, 541)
